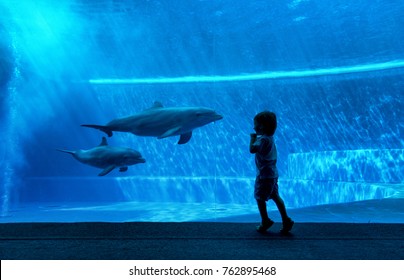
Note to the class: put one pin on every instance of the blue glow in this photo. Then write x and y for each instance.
(206, 189)
(255, 76)
(331, 71)
(365, 165)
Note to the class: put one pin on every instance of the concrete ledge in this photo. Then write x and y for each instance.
(199, 240)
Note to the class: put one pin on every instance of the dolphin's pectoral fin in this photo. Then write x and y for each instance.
(123, 169)
(185, 137)
(170, 132)
(107, 170)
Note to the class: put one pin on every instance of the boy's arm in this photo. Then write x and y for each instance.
(253, 148)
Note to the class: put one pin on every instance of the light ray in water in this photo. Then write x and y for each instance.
(256, 76)
(13, 152)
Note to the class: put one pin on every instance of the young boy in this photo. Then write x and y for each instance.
(266, 183)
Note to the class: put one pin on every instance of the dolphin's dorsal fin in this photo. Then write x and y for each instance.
(104, 142)
(157, 104)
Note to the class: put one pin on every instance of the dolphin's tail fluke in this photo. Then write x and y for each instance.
(103, 128)
(65, 151)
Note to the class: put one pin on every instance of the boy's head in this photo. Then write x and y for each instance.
(265, 122)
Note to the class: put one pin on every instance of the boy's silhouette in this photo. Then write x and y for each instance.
(262, 144)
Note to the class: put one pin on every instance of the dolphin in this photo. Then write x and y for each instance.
(162, 122)
(107, 157)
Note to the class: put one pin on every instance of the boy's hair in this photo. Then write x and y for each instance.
(268, 121)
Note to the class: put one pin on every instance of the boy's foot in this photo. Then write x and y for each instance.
(264, 226)
(287, 225)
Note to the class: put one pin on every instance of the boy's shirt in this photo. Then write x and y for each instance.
(266, 157)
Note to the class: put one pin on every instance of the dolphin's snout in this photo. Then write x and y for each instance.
(219, 117)
(141, 160)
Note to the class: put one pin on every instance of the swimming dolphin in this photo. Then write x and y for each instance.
(107, 157)
(162, 122)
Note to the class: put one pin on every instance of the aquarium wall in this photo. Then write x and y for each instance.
(332, 71)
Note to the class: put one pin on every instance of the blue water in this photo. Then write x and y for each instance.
(332, 71)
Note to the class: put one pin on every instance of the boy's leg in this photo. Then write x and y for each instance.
(266, 221)
(281, 206)
(262, 207)
(286, 221)
(261, 192)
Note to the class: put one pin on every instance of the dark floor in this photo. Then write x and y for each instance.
(200, 240)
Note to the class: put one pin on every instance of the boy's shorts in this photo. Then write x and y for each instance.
(265, 188)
